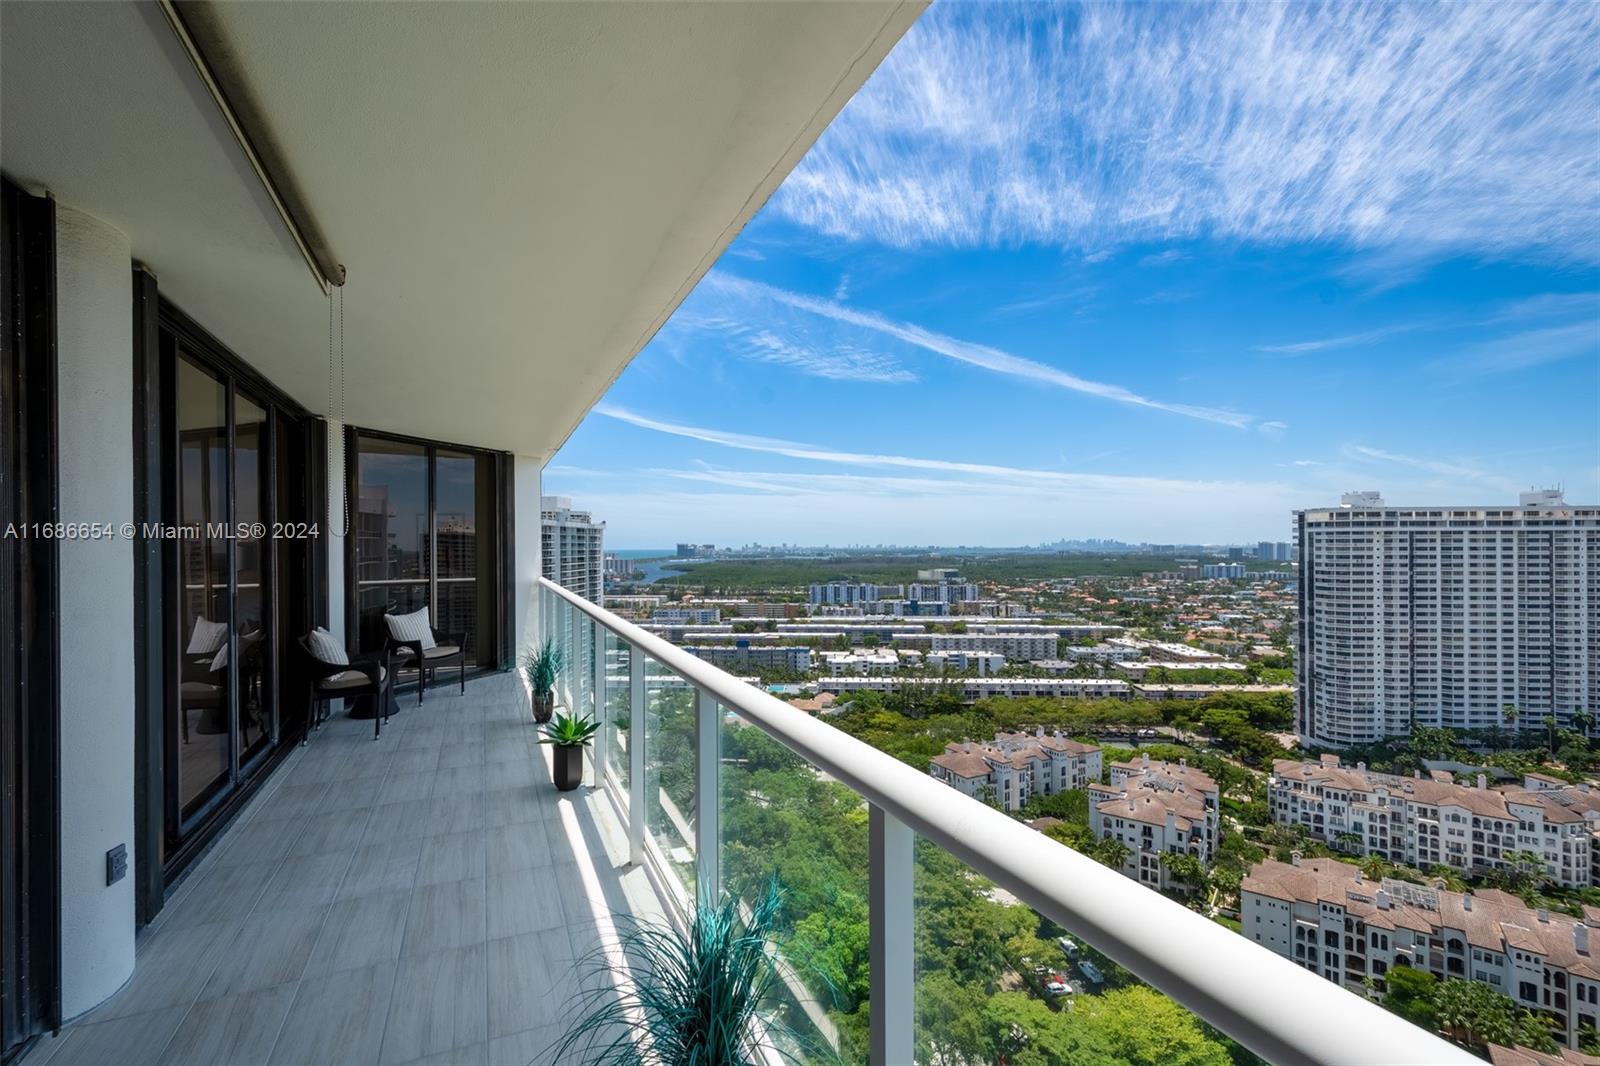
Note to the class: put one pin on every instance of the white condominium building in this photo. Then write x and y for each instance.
(1019, 646)
(695, 616)
(794, 658)
(983, 688)
(850, 592)
(1018, 765)
(1426, 822)
(1324, 915)
(1156, 809)
(952, 592)
(1444, 616)
(571, 548)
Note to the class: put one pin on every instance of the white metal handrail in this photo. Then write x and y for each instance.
(1282, 1012)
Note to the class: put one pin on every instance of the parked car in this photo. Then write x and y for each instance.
(1069, 946)
(1057, 986)
(1147, 733)
(1090, 971)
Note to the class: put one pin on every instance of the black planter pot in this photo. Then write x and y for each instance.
(543, 707)
(569, 766)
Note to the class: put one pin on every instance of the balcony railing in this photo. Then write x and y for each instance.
(685, 754)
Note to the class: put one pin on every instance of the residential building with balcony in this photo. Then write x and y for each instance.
(1014, 766)
(572, 549)
(1156, 809)
(742, 655)
(687, 616)
(1444, 616)
(1325, 916)
(982, 688)
(1020, 646)
(1425, 822)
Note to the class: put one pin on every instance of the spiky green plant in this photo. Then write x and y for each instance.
(688, 999)
(543, 664)
(569, 731)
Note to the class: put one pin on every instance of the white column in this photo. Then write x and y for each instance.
(94, 320)
(891, 936)
(636, 742)
(526, 472)
(336, 527)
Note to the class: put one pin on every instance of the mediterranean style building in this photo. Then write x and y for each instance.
(1156, 809)
(1018, 765)
(1325, 916)
(1433, 821)
(1444, 616)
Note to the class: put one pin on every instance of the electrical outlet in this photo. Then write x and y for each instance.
(116, 864)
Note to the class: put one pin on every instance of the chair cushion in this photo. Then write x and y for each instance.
(349, 679)
(413, 626)
(326, 647)
(207, 637)
(441, 651)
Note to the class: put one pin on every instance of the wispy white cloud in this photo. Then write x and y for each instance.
(1521, 351)
(1423, 127)
(1166, 258)
(1457, 470)
(841, 291)
(1346, 341)
(1273, 429)
(1548, 306)
(831, 358)
(1014, 477)
(980, 355)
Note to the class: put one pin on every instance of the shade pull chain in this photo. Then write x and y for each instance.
(341, 524)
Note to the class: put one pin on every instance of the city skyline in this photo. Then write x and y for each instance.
(1025, 288)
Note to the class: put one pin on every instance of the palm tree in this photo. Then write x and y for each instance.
(1508, 715)
(1584, 721)
(1550, 729)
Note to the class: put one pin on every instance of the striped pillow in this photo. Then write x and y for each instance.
(207, 637)
(326, 647)
(413, 626)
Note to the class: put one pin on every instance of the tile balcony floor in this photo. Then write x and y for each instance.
(423, 898)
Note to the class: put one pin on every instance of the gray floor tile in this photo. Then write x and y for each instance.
(475, 1055)
(337, 1020)
(525, 987)
(334, 830)
(513, 807)
(414, 761)
(456, 814)
(361, 932)
(526, 901)
(295, 801)
(270, 949)
(398, 821)
(437, 1005)
(259, 840)
(518, 847)
(397, 788)
(352, 794)
(222, 894)
(531, 1047)
(511, 774)
(459, 753)
(452, 857)
(459, 780)
(237, 1030)
(451, 915)
(384, 867)
(305, 882)
(131, 1041)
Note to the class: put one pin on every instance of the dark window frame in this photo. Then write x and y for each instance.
(495, 566)
(30, 719)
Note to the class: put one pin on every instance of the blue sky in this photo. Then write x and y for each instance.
(1156, 272)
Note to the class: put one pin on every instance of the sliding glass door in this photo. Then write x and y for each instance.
(425, 534)
(237, 573)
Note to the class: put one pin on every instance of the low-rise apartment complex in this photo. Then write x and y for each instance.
(1017, 765)
(1429, 821)
(1324, 915)
(794, 658)
(1156, 809)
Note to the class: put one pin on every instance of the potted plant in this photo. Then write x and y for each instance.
(569, 734)
(543, 665)
(700, 997)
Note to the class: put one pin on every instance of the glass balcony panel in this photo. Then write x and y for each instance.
(998, 982)
(781, 819)
(669, 770)
(618, 710)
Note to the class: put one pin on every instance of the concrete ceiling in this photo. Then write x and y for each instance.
(522, 192)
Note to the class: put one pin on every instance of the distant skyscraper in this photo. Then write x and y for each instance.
(571, 550)
(1444, 616)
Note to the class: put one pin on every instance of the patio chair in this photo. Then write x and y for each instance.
(330, 679)
(412, 637)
